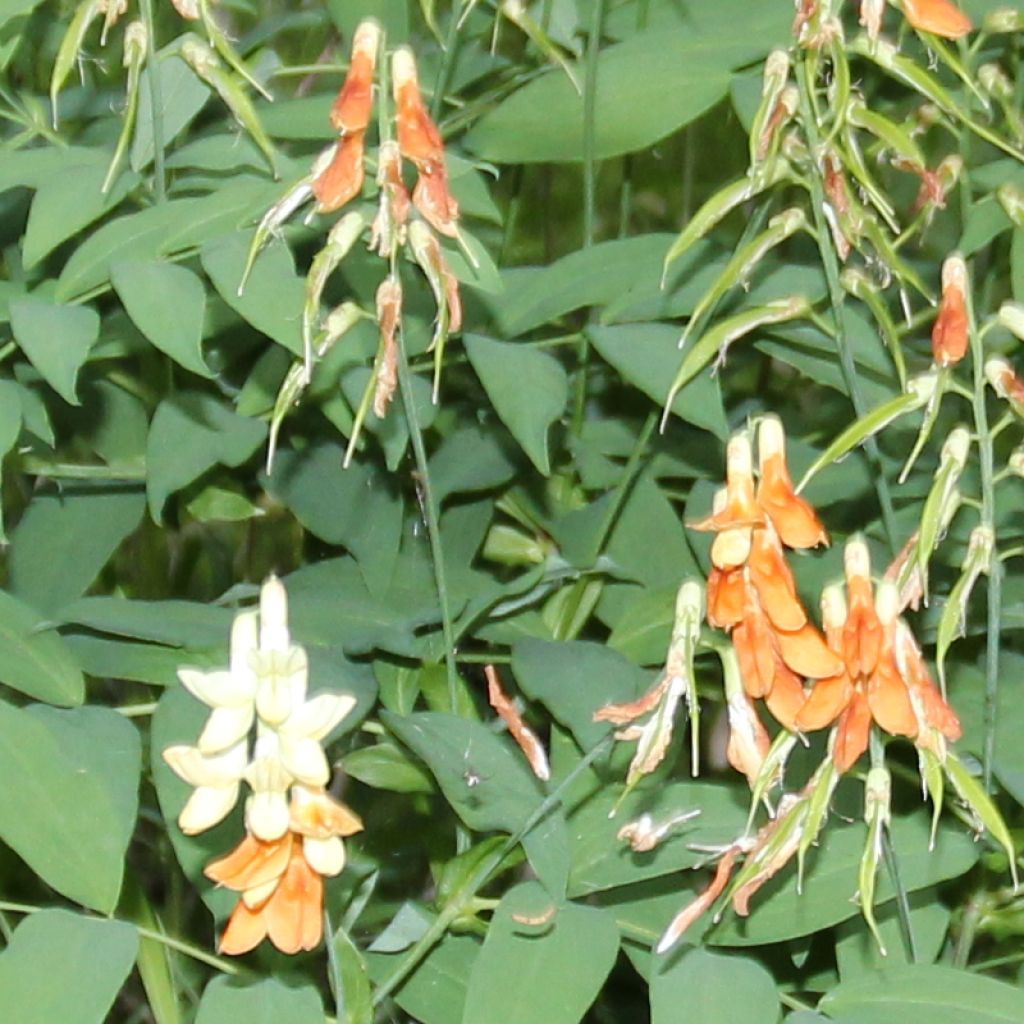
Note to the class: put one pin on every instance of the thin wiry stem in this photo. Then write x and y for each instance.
(155, 103)
(837, 298)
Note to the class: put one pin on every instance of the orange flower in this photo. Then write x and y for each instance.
(291, 915)
(751, 590)
(883, 673)
(354, 105)
(420, 141)
(418, 136)
(950, 333)
(796, 522)
(342, 179)
(940, 17)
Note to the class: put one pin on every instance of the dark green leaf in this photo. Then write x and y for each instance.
(228, 1001)
(56, 339)
(65, 967)
(33, 657)
(70, 796)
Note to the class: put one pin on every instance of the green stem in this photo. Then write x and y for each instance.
(224, 966)
(444, 72)
(589, 194)
(973, 913)
(837, 298)
(892, 866)
(155, 102)
(590, 122)
(487, 868)
(432, 516)
(993, 637)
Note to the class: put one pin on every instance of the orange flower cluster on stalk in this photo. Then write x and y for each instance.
(337, 178)
(751, 590)
(866, 667)
(882, 678)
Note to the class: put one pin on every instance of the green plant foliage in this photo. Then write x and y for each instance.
(434, 535)
(95, 956)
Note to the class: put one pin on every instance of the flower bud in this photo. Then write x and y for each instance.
(1003, 19)
(995, 82)
(1011, 316)
(1011, 198)
(950, 334)
(1016, 462)
(135, 42)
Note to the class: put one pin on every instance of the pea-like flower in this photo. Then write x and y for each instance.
(294, 828)
(940, 17)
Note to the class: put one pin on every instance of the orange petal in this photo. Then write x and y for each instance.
(852, 734)
(774, 582)
(418, 136)
(937, 712)
(752, 641)
(726, 594)
(432, 198)
(315, 813)
(805, 652)
(828, 699)
(949, 334)
(940, 17)
(889, 700)
(342, 180)
(246, 929)
(293, 915)
(738, 509)
(352, 109)
(787, 696)
(795, 520)
(252, 863)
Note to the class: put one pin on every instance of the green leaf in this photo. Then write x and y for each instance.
(162, 230)
(355, 1005)
(830, 882)
(68, 201)
(550, 973)
(65, 967)
(10, 428)
(33, 657)
(857, 952)
(70, 796)
(359, 508)
(191, 433)
(56, 339)
(925, 994)
(435, 993)
(647, 355)
(600, 860)
(189, 624)
(274, 294)
(487, 785)
(527, 388)
(65, 538)
(393, 16)
(472, 459)
(182, 96)
(647, 88)
(229, 1001)
(384, 766)
(712, 987)
(168, 304)
(573, 680)
(596, 276)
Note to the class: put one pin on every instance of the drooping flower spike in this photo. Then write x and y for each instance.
(751, 590)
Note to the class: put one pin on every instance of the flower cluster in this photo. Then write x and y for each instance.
(294, 827)
(751, 590)
(882, 678)
(337, 177)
